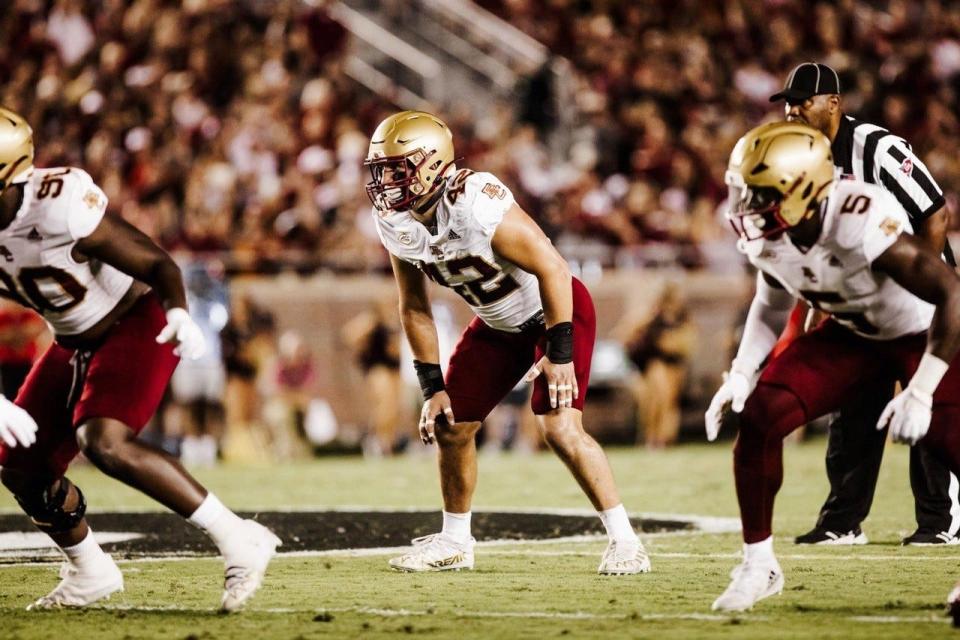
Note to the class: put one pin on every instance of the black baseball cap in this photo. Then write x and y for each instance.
(807, 80)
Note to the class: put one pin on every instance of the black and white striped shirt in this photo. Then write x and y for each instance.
(873, 154)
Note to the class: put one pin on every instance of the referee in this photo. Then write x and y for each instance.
(855, 447)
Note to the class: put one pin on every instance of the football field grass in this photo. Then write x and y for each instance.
(539, 589)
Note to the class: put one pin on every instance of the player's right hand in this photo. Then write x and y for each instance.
(438, 404)
(731, 395)
(182, 330)
(17, 427)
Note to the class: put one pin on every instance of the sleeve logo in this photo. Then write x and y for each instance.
(92, 199)
(890, 226)
(495, 191)
(906, 166)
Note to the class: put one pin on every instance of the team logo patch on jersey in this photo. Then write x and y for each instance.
(436, 251)
(906, 166)
(495, 191)
(405, 238)
(92, 199)
(890, 226)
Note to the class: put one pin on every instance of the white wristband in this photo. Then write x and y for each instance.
(929, 374)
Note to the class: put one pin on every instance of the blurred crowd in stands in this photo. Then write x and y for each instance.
(230, 126)
(665, 88)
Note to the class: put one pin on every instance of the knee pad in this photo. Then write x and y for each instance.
(46, 510)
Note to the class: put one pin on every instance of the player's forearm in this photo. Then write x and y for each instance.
(943, 340)
(421, 332)
(556, 293)
(166, 280)
(933, 231)
(766, 319)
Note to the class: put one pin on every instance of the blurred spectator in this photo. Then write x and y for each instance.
(247, 343)
(660, 346)
(197, 387)
(374, 338)
(288, 391)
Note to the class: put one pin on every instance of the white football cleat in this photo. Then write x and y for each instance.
(246, 556)
(80, 588)
(436, 552)
(624, 557)
(751, 582)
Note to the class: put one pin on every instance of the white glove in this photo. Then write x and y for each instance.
(734, 391)
(908, 416)
(16, 425)
(188, 336)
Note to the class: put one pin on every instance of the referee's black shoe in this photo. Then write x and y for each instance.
(926, 538)
(819, 535)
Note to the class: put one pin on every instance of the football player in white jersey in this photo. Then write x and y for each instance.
(464, 231)
(843, 246)
(116, 305)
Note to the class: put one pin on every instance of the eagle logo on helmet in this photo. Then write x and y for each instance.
(777, 175)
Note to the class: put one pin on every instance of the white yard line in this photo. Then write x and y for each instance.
(900, 619)
(404, 613)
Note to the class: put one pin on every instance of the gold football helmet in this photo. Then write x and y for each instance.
(408, 156)
(16, 149)
(777, 175)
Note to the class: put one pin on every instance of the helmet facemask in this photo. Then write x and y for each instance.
(754, 212)
(396, 182)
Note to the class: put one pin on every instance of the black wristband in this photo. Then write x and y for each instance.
(431, 378)
(560, 343)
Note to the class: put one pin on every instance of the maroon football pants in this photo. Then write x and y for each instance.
(123, 378)
(486, 363)
(812, 377)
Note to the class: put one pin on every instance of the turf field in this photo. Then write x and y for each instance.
(520, 589)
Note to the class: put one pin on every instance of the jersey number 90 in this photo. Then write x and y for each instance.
(34, 281)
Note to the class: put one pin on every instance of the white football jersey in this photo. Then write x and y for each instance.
(37, 267)
(860, 222)
(459, 254)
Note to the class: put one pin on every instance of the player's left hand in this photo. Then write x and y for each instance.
(188, 336)
(908, 416)
(437, 405)
(561, 381)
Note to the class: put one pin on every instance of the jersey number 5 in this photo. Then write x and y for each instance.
(850, 318)
(34, 281)
(488, 284)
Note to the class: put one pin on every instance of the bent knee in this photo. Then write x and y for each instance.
(457, 435)
(771, 411)
(103, 441)
(564, 435)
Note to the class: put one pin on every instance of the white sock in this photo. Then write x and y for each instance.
(85, 553)
(457, 525)
(617, 524)
(214, 518)
(759, 551)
